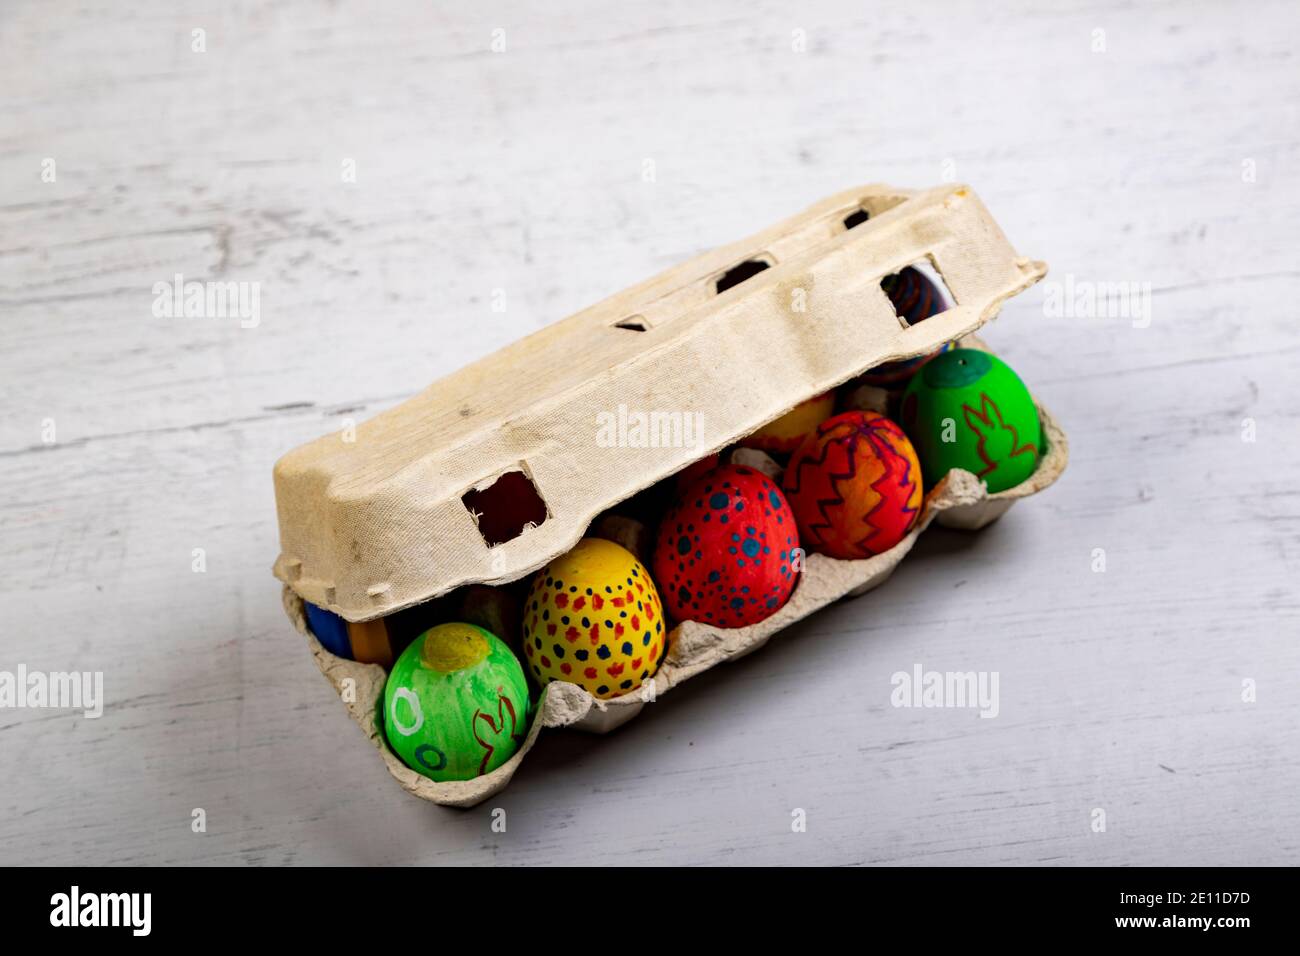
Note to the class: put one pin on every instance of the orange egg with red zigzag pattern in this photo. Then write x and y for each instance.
(854, 486)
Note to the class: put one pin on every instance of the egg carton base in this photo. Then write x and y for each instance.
(693, 647)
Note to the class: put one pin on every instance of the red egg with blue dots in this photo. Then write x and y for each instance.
(727, 550)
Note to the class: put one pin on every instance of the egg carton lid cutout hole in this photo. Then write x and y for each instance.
(398, 516)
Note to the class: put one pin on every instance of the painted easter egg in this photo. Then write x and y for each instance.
(368, 642)
(968, 409)
(915, 298)
(330, 629)
(593, 618)
(694, 470)
(456, 703)
(913, 295)
(495, 609)
(788, 432)
(854, 486)
(726, 550)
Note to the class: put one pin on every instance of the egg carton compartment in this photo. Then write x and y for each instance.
(392, 521)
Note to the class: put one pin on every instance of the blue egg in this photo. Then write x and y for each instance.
(330, 629)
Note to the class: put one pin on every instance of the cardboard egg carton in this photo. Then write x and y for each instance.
(405, 513)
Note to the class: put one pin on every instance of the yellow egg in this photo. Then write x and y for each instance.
(788, 432)
(594, 618)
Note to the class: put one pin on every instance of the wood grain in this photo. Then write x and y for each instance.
(1166, 159)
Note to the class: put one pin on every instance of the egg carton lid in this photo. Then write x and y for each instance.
(605, 403)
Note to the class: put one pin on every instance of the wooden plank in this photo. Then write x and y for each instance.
(522, 171)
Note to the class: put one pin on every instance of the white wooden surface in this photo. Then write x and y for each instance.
(522, 171)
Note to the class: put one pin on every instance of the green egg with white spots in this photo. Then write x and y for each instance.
(456, 703)
(967, 409)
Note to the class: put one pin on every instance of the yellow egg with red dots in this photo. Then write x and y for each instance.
(788, 432)
(593, 618)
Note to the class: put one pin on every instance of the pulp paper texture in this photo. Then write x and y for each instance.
(376, 525)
